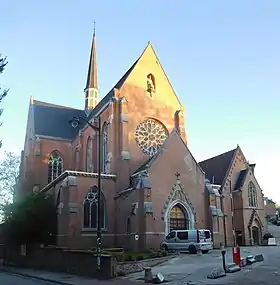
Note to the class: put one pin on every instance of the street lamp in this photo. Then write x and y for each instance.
(75, 122)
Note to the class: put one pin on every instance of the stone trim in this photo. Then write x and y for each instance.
(123, 192)
(77, 174)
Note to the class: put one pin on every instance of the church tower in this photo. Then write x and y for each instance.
(91, 89)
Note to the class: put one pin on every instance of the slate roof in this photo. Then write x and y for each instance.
(53, 120)
(241, 179)
(216, 167)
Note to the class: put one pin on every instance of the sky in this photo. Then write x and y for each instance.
(222, 57)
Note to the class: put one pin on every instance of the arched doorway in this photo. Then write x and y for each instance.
(256, 232)
(178, 218)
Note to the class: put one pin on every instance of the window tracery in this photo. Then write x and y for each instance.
(252, 195)
(55, 165)
(150, 135)
(91, 208)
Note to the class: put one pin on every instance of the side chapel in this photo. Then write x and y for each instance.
(151, 183)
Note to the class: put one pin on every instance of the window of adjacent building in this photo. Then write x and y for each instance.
(89, 166)
(90, 209)
(252, 195)
(104, 148)
(55, 166)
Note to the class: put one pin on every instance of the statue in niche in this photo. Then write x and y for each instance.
(151, 84)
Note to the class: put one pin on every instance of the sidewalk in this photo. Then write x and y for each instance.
(61, 278)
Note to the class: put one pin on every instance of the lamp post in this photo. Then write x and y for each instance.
(75, 122)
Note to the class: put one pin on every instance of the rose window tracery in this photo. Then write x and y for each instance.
(150, 135)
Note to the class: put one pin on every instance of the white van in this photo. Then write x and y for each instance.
(188, 240)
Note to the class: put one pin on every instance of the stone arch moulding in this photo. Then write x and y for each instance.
(187, 209)
(178, 196)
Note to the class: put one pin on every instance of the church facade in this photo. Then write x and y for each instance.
(150, 181)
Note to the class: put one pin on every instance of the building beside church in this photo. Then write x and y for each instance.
(151, 183)
(270, 209)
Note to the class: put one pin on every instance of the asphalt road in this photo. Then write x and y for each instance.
(9, 279)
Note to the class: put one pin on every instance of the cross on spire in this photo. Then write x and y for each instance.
(177, 174)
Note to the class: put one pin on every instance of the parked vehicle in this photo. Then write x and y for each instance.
(188, 240)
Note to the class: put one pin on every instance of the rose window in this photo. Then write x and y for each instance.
(150, 135)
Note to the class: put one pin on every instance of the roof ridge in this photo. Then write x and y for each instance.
(47, 104)
(226, 152)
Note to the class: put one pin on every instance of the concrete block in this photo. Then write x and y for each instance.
(148, 276)
(272, 242)
(250, 259)
(232, 267)
(259, 258)
(216, 273)
(158, 279)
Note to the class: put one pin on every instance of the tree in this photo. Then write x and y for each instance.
(31, 220)
(3, 92)
(9, 173)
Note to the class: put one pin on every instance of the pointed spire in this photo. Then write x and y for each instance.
(92, 69)
(91, 89)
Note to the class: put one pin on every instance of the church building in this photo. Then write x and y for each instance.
(150, 181)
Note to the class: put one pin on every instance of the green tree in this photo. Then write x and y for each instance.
(3, 92)
(9, 173)
(31, 220)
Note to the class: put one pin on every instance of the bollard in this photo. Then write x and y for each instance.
(223, 251)
(236, 255)
(148, 275)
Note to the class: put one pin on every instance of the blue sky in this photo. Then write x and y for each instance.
(222, 57)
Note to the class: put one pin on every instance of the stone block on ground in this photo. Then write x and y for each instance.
(259, 258)
(158, 279)
(216, 273)
(272, 242)
(232, 267)
(250, 259)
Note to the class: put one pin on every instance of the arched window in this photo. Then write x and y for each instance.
(55, 166)
(104, 148)
(252, 195)
(178, 218)
(90, 209)
(89, 166)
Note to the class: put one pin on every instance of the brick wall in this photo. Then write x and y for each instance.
(76, 262)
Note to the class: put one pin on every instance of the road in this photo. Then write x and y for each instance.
(193, 269)
(9, 279)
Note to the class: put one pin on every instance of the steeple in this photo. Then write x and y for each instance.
(91, 89)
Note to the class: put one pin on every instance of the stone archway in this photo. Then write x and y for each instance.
(178, 216)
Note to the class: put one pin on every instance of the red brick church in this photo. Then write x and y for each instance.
(144, 144)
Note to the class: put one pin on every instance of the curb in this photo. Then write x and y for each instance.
(34, 277)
